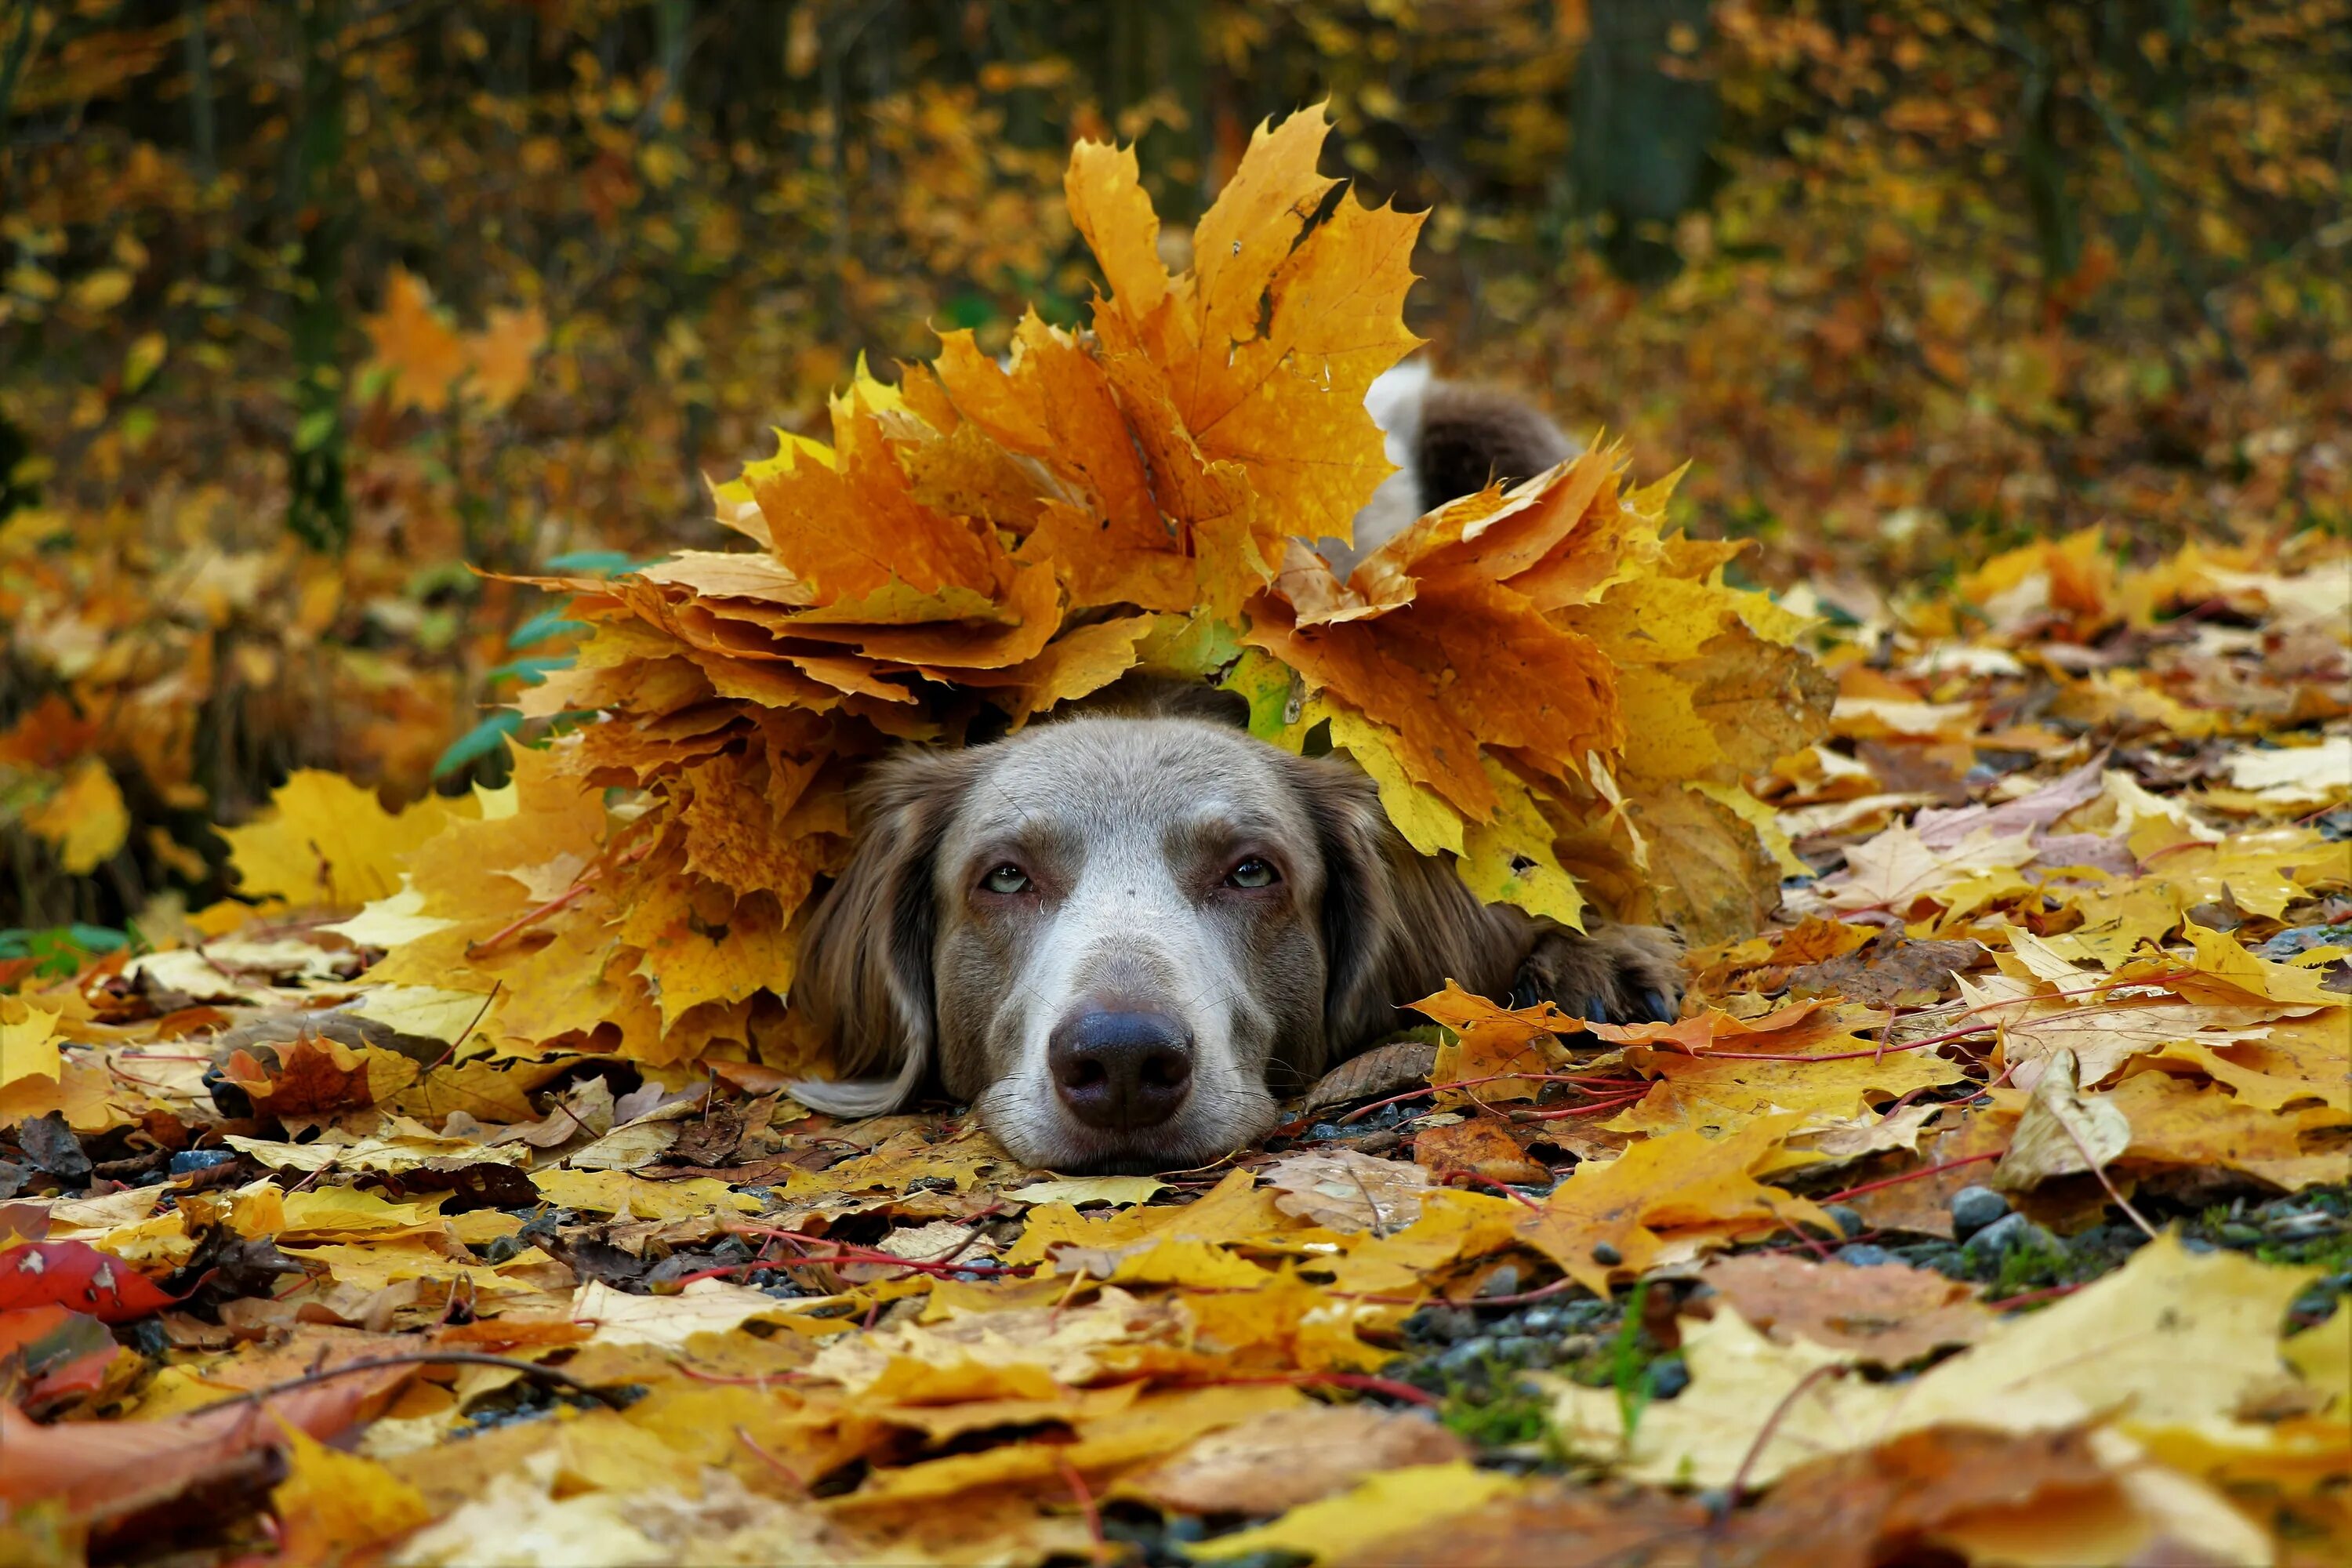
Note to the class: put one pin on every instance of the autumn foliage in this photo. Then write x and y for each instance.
(432, 1192)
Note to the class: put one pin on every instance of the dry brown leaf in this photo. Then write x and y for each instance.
(1888, 1313)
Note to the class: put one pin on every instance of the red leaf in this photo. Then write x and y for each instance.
(77, 1275)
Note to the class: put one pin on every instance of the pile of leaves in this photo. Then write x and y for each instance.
(439, 1201)
(981, 542)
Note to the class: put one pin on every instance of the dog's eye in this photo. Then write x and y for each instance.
(1006, 878)
(1253, 873)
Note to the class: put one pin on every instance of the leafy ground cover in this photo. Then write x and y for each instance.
(1863, 1238)
(1988, 1198)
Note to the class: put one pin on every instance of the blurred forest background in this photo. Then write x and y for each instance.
(306, 304)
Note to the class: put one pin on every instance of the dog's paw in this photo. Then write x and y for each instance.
(1615, 974)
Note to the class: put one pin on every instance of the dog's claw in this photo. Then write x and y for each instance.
(1663, 1010)
(1597, 1011)
(1524, 993)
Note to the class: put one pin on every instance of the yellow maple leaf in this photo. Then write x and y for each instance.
(423, 352)
(85, 819)
(1607, 1220)
(332, 1504)
(29, 1047)
(327, 841)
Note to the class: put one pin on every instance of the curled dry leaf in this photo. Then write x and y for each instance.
(1382, 1070)
(1479, 1146)
(1343, 1190)
(2062, 1132)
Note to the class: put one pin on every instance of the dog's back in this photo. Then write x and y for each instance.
(1448, 439)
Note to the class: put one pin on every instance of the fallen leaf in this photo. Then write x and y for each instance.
(1345, 1191)
(1288, 1458)
(1480, 1147)
(1381, 1506)
(1888, 1314)
(1608, 1219)
(2062, 1131)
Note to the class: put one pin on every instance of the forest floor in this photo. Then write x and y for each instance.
(1990, 1199)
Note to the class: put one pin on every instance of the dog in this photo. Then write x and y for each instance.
(1120, 934)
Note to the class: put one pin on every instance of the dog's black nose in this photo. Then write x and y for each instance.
(1121, 1070)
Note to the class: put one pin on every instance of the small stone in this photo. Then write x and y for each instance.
(1606, 1256)
(1472, 1352)
(1518, 1349)
(2239, 1234)
(1576, 1347)
(1545, 1319)
(1187, 1527)
(1326, 1130)
(2302, 1226)
(1973, 1208)
(1503, 1281)
(1848, 1220)
(2011, 1232)
(1441, 1324)
(1862, 1255)
(187, 1161)
(1668, 1377)
(2196, 1244)
(1942, 1256)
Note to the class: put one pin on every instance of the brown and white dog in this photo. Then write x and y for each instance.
(1122, 935)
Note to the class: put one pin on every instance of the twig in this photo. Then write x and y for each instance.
(561, 900)
(1086, 1501)
(2031, 1297)
(1506, 1188)
(1764, 1434)
(1593, 1109)
(770, 1460)
(1911, 1176)
(1363, 1110)
(2100, 1171)
(466, 1033)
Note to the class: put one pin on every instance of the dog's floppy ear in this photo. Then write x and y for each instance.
(1396, 924)
(1362, 913)
(865, 970)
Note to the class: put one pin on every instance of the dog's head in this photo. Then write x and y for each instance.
(1109, 933)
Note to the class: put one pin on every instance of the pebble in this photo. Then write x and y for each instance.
(2237, 1233)
(1862, 1255)
(1472, 1352)
(1848, 1220)
(2302, 1226)
(1940, 1256)
(1447, 1323)
(1545, 1319)
(1503, 1281)
(1606, 1256)
(187, 1161)
(2012, 1231)
(1522, 1350)
(1668, 1377)
(1973, 1208)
